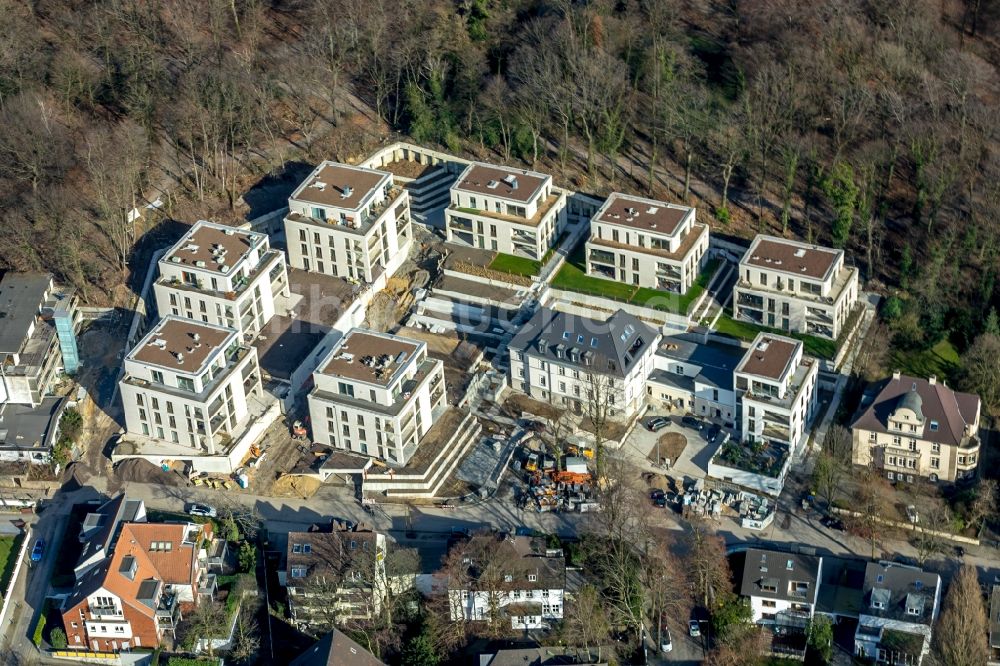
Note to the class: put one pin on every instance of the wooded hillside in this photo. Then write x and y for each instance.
(867, 124)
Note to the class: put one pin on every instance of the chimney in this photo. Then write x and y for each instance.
(895, 375)
(932, 380)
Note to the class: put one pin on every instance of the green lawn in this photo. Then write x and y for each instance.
(9, 546)
(941, 360)
(573, 277)
(814, 346)
(508, 263)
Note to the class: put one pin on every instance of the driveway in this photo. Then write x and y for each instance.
(693, 461)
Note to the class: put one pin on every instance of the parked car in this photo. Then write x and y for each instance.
(666, 644)
(694, 628)
(713, 434)
(657, 423)
(203, 510)
(911, 514)
(656, 493)
(660, 502)
(833, 523)
(692, 422)
(38, 550)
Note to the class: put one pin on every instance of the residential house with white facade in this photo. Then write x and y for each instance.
(222, 275)
(695, 378)
(893, 605)
(647, 243)
(575, 362)
(899, 606)
(530, 591)
(506, 210)
(782, 587)
(348, 222)
(776, 391)
(795, 287)
(376, 394)
(335, 575)
(911, 428)
(189, 392)
(37, 336)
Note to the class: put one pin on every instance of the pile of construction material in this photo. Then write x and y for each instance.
(754, 511)
(568, 489)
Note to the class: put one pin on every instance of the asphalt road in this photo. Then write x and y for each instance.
(427, 529)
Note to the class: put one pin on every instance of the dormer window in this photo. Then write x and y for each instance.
(508, 578)
(912, 610)
(532, 578)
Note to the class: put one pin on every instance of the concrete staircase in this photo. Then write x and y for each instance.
(430, 191)
(403, 484)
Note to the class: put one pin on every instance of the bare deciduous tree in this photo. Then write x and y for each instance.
(116, 161)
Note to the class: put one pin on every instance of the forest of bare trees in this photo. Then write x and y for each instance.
(866, 124)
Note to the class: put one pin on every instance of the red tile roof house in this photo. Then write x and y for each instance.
(135, 596)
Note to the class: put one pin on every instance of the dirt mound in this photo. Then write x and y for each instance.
(137, 470)
(672, 444)
(293, 485)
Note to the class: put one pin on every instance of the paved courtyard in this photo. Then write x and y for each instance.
(640, 448)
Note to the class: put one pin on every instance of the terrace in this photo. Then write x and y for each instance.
(270, 261)
(763, 458)
(692, 238)
(408, 395)
(573, 277)
(544, 207)
(840, 282)
(814, 346)
(368, 219)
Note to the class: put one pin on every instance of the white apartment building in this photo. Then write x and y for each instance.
(187, 387)
(348, 222)
(782, 587)
(577, 362)
(38, 325)
(912, 428)
(531, 593)
(776, 393)
(506, 210)
(222, 275)
(646, 243)
(696, 378)
(376, 394)
(795, 287)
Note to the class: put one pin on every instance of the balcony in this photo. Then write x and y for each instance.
(775, 432)
(668, 284)
(819, 315)
(208, 585)
(602, 256)
(269, 261)
(668, 271)
(751, 301)
(755, 317)
(168, 611)
(460, 224)
(519, 236)
(105, 613)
